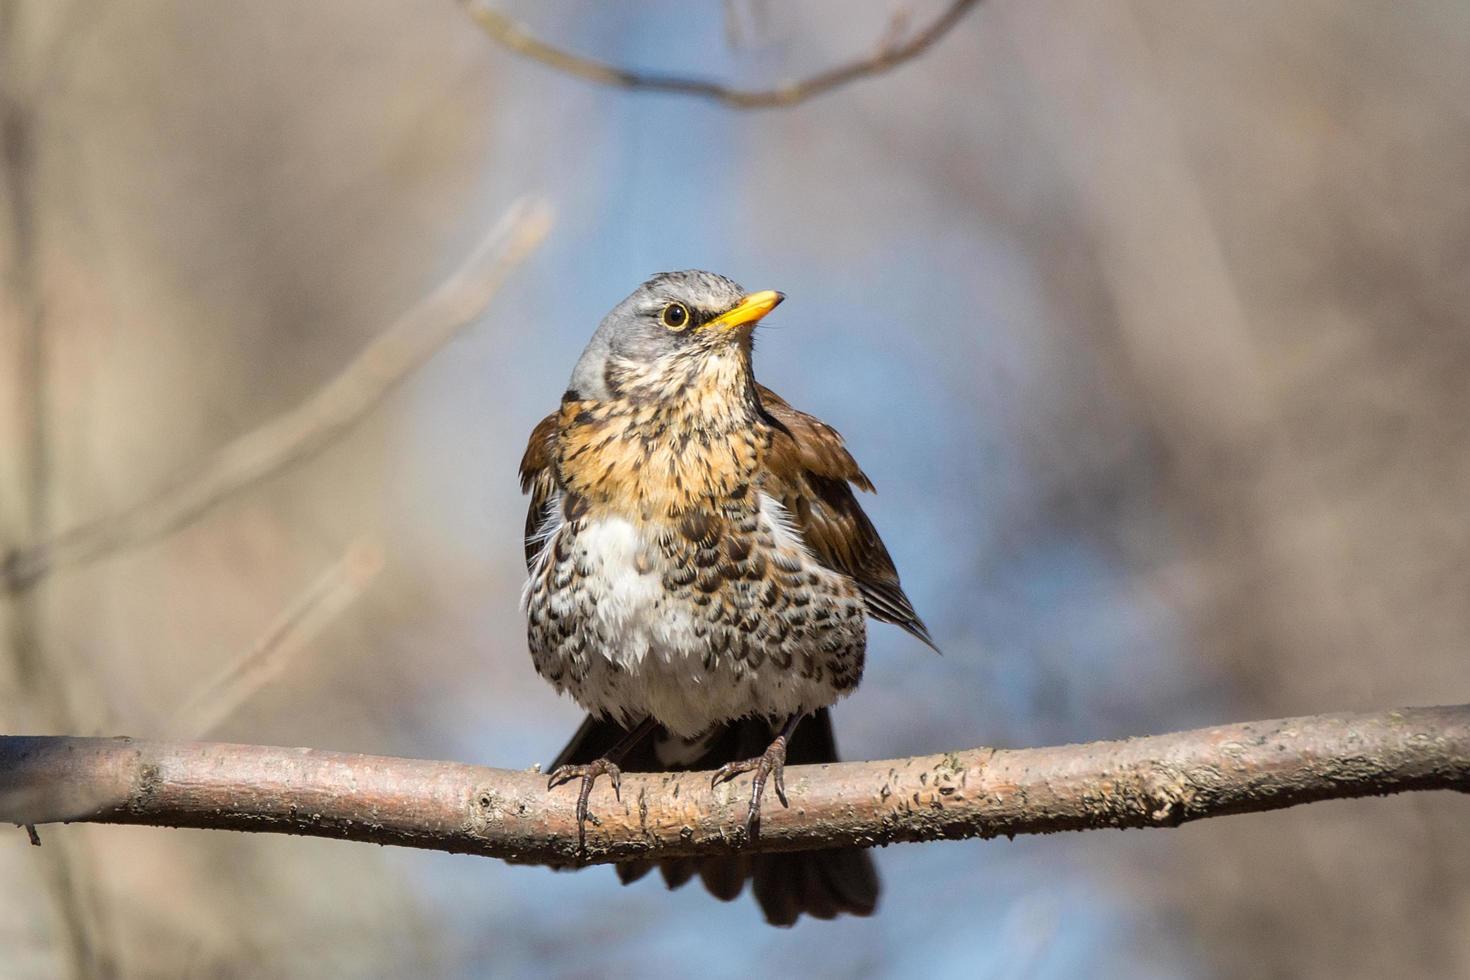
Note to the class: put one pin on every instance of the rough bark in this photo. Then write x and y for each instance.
(1157, 781)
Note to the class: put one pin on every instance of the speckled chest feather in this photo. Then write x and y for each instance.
(670, 583)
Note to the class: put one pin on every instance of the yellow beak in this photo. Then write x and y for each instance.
(750, 309)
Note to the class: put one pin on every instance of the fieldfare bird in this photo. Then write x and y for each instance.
(700, 575)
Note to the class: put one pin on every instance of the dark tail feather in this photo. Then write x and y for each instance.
(822, 884)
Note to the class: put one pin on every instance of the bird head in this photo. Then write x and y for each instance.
(673, 326)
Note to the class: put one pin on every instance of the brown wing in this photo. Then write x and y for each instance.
(814, 474)
(538, 478)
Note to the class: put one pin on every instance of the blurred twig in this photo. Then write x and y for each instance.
(311, 426)
(1159, 781)
(892, 52)
(83, 934)
(269, 656)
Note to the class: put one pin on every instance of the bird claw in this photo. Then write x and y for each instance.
(588, 773)
(769, 764)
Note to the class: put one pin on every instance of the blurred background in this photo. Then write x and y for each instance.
(1148, 319)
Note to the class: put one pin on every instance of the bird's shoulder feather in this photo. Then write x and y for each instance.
(805, 442)
(538, 478)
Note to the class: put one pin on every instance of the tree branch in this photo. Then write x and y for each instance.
(1159, 781)
(309, 427)
(890, 54)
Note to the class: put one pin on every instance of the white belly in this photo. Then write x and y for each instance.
(635, 648)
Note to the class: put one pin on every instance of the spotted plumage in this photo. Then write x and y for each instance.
(698, 563)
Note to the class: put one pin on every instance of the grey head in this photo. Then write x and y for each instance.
(673, 314)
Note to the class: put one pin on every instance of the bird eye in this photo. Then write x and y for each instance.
(675, 316)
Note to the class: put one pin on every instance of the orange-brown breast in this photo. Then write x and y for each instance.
(678, 443)
(631, 461)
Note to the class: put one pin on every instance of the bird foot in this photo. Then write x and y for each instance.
(588, 773)
(769, 764)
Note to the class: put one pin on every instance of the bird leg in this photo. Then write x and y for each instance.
(769, 764)
(607, 765)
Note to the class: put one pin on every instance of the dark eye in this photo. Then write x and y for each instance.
(675, 316)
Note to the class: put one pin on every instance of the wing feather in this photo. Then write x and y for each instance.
(538, 478)
(812, 473)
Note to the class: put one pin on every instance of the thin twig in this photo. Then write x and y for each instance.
(270, 655)
(888, 55)
(311, 426)
(1159, 781)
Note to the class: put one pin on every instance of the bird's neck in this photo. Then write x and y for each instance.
(709, 389)
(688, 436)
